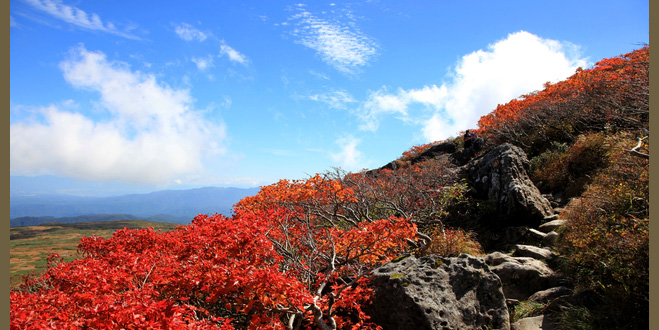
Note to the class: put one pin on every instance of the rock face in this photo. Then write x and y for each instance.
(437, 150)
(438, 293)
(501, 175)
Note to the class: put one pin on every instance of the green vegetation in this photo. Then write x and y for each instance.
(31, 246)
(526, 309)
(606, 241)
(576, 318)
(568, 169)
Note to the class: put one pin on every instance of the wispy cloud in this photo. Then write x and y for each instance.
(232, 54)
(319, 75)
(187, 32)
(203, 63)
(519, 64)
(78, 17)
(337, 99)
(150, 133)
(281, 152)
(348, 158)
(338, 44)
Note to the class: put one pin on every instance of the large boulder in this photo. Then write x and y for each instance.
(437, 293)
(501, 176)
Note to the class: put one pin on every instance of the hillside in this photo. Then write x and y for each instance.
(542, 217)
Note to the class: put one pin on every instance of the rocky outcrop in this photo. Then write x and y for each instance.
(477, 293)
(437, 150)
(437, 293)
(434, 152)
(501, 176)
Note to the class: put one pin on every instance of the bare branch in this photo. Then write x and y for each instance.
(634, 151)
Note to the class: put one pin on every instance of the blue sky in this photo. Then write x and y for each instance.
(112, 97)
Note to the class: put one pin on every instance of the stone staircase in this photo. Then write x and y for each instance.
(526, 272)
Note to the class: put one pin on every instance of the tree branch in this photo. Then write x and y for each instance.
(634, 151)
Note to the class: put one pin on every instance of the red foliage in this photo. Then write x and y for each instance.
(268, 267)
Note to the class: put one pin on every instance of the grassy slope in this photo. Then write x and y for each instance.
(30, 246)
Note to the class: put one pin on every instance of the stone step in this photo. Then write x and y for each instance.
(549, 239)
(534, 323)
(533, 252)
(548, 295)
(550, 218)
(551, 225)
(536, 233)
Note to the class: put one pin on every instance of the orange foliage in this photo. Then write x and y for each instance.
(614, 93)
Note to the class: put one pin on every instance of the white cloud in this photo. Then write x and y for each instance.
(149, 134)
(381, 102)
(339, 45)
(12, 21)
(203, 63)
(319, 75)
(337, 99)
(349, 158)
(77, 17)
(232, 54)
(519, 64)
(187, 32)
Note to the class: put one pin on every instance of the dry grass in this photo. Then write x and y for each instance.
(30, 246)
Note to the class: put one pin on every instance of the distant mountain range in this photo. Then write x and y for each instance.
(179, 206)
(37, 221)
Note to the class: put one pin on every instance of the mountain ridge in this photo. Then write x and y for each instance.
(173, 204)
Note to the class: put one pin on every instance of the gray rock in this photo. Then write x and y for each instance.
(550, 238)
(551, 225)
(550, 294)
(436, 150)
(540, 322)
(522, 276)
(533, 252)
(501, 175)
(537, 234)
(550, 217)
(437, 293)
